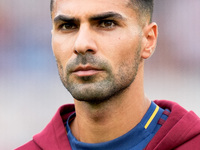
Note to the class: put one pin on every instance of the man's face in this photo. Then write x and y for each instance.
(97, 46)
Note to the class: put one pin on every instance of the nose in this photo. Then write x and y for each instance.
(85, 41)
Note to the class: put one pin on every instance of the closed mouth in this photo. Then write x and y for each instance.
(86, 70)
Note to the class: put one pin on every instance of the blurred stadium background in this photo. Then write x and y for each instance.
(30, 88)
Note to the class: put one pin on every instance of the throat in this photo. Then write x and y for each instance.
(95, 125)
(104, 123)
(94, 130)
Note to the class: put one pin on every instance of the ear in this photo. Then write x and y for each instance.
(150, 35)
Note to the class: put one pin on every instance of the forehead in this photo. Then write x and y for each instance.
(84, 8)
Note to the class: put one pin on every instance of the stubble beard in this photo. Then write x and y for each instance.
(93, 90)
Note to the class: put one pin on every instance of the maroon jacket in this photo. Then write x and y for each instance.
(181, 131)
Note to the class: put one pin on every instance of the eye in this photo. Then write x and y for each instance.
(107, 24)
(67, 26)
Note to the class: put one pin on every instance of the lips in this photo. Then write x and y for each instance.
(82, 71)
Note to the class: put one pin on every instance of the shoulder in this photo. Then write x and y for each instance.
(30, 145)
(192, 143)
(54, 135)
(181, 130)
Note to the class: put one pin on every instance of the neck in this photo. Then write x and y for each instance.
(111, 119)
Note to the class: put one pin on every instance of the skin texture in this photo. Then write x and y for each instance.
(100, 52)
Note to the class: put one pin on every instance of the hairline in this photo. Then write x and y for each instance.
(142, 17)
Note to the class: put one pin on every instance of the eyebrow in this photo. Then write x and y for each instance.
(64, 18)
(102, 16)
(106, 15)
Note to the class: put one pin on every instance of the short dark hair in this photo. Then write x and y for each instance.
(143, 8)
(51, 5)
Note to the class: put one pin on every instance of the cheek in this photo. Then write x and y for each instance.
(121, 49)
(61, 49)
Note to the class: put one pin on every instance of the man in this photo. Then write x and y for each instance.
(100, 47)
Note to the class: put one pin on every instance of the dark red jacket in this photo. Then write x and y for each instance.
(181, 131)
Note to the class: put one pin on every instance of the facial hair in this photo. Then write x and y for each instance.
(99, 88)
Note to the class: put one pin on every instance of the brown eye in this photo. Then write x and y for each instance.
(107, 24)
(68, 26)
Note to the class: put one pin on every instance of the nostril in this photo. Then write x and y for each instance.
(83, 52)
(76, 52)
(90, 50)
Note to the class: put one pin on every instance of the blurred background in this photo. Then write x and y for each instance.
(30, 88)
